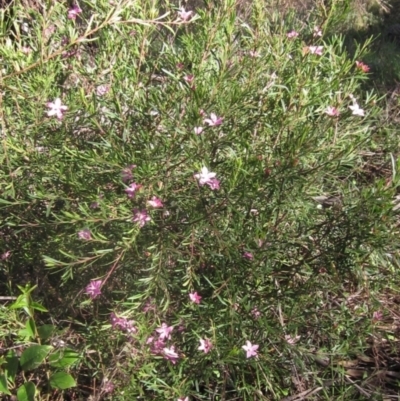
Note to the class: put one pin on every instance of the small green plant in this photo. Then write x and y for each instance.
(38, 351)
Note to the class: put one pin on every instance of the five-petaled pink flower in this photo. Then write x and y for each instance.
(85, 234)
(332, 111)
(213, 184)
(170, 354)
(198, 130)
(94, 288)
(131, 190)
(205, 345)
(314, 50)
(248, 255)
(74, 11)
(155, 202)
(141, 217)
(214, 120)
(195, 297)
(164, 331)
(251, 349)
(56, 109)
(101, 90)
(292, 34)
(361, 66)
(185, 15)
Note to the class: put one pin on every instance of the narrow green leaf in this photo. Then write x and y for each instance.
(38, 307)
(31, 328)
(11, 366)
(3, 385)
(62, 381)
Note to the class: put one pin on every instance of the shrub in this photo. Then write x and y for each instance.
(200, 178)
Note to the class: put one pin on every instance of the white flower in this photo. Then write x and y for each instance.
(185, 15)
(205, 176)
(56, 109)
(356, 110)
(198, 130)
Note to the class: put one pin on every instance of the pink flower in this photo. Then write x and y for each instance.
(248, 255)
(164, 331)
(377, 316)
(149, 306)
(198, 130)
(131, 190)
(183, 399)
(156, 346)
(49, 31)
(361, 66)
(315, 50)
(202, 112)
(170, 354)
(5, 255)
(26, 50)
(291, 340)
(253, 53)
(102, 90)
(141, 217)
(251, 349)
(292, 34)
(85, 234)
(56, 109)
(205, 176)
(255, 312)
(332, 111)
(185, 15)
(189, 78)
(205, 345)
(123, 323)
(214, 120)
(317, 32)
(108, 386)
(155, 202)
(213, 184)
(195, 297)
(94, 288)
(74, 11)
(127, 172)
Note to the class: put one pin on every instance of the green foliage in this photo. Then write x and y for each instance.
(300, 219)
(34, 356)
